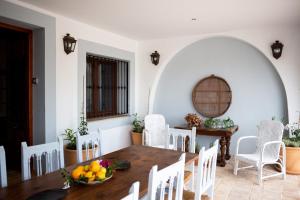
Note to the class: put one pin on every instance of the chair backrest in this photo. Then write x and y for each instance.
(179, 136)
(91, 143)
(207, 163)
(167, 179)
(269, 130)
(155, 127)
(133, 192)
(49, 156)
(3, 174)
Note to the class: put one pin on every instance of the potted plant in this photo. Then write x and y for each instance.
(137, 130)
(70, 151)
(292, 143)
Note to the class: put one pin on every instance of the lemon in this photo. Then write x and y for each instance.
(103, 170)
(90, 175)
(94, 166)
(86, 168)
(100, 175)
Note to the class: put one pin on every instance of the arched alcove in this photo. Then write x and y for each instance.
(257, 90)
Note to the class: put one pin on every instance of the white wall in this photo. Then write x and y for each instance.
(257, 91)
(288, 66)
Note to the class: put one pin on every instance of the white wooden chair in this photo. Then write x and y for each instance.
(164, 179)
(133, 192)
(205, 180)
(3, 174)
(177, 137)
(90, 141)
(50, 155)
(154, 133)
(268, 144)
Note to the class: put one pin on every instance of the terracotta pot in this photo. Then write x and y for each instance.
(71, 155)
(292, 160)
(136, 138)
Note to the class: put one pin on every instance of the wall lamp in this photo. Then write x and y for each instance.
(155, 58)
(69, 43)
(277, 49)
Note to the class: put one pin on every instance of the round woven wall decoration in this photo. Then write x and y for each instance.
(212, 96)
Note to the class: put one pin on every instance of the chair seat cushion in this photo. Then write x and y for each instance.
(254, 158)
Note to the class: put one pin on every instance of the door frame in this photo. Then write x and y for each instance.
(29, 76)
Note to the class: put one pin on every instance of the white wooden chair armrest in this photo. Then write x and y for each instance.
(243, 138)
(272, 142)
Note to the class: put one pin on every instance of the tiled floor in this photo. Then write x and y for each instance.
(244, 186)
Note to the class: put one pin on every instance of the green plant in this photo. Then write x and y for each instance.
(294, 139)
(83, 129)
(137, 124)
(218, 123)
(228, 123)
(70, 135)
(209, 123)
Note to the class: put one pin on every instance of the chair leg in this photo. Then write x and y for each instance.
(259, 175)
(210, 192)
(236, 165)
(191, 183)
(283, 171)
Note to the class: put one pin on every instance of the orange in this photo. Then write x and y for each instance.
(77, 172)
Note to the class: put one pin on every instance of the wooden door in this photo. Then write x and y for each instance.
(15, 91)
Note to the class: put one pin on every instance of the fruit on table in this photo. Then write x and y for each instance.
(94, 166)
(100, 175)
(77, 172)
(95, 171)
(86, 168)
(90, 176)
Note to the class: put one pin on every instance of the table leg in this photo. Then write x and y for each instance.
(228, 156)
(223, 149)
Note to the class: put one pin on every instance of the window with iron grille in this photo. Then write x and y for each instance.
(106, 87)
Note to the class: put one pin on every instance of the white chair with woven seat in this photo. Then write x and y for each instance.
(161, 180)
(206, 174)
(91, 143)
(154, 133)
(176, 140)
(268, 144)
(3, 173)
(51, 154)
(133, 192)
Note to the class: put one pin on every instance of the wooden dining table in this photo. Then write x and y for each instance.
(142, 158)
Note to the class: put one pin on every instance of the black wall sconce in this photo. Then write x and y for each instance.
(277, 49)
(69, 43)
(155, 58)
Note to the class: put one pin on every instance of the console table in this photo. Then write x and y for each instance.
(225, 137)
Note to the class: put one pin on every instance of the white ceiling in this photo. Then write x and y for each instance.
(150, 19)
